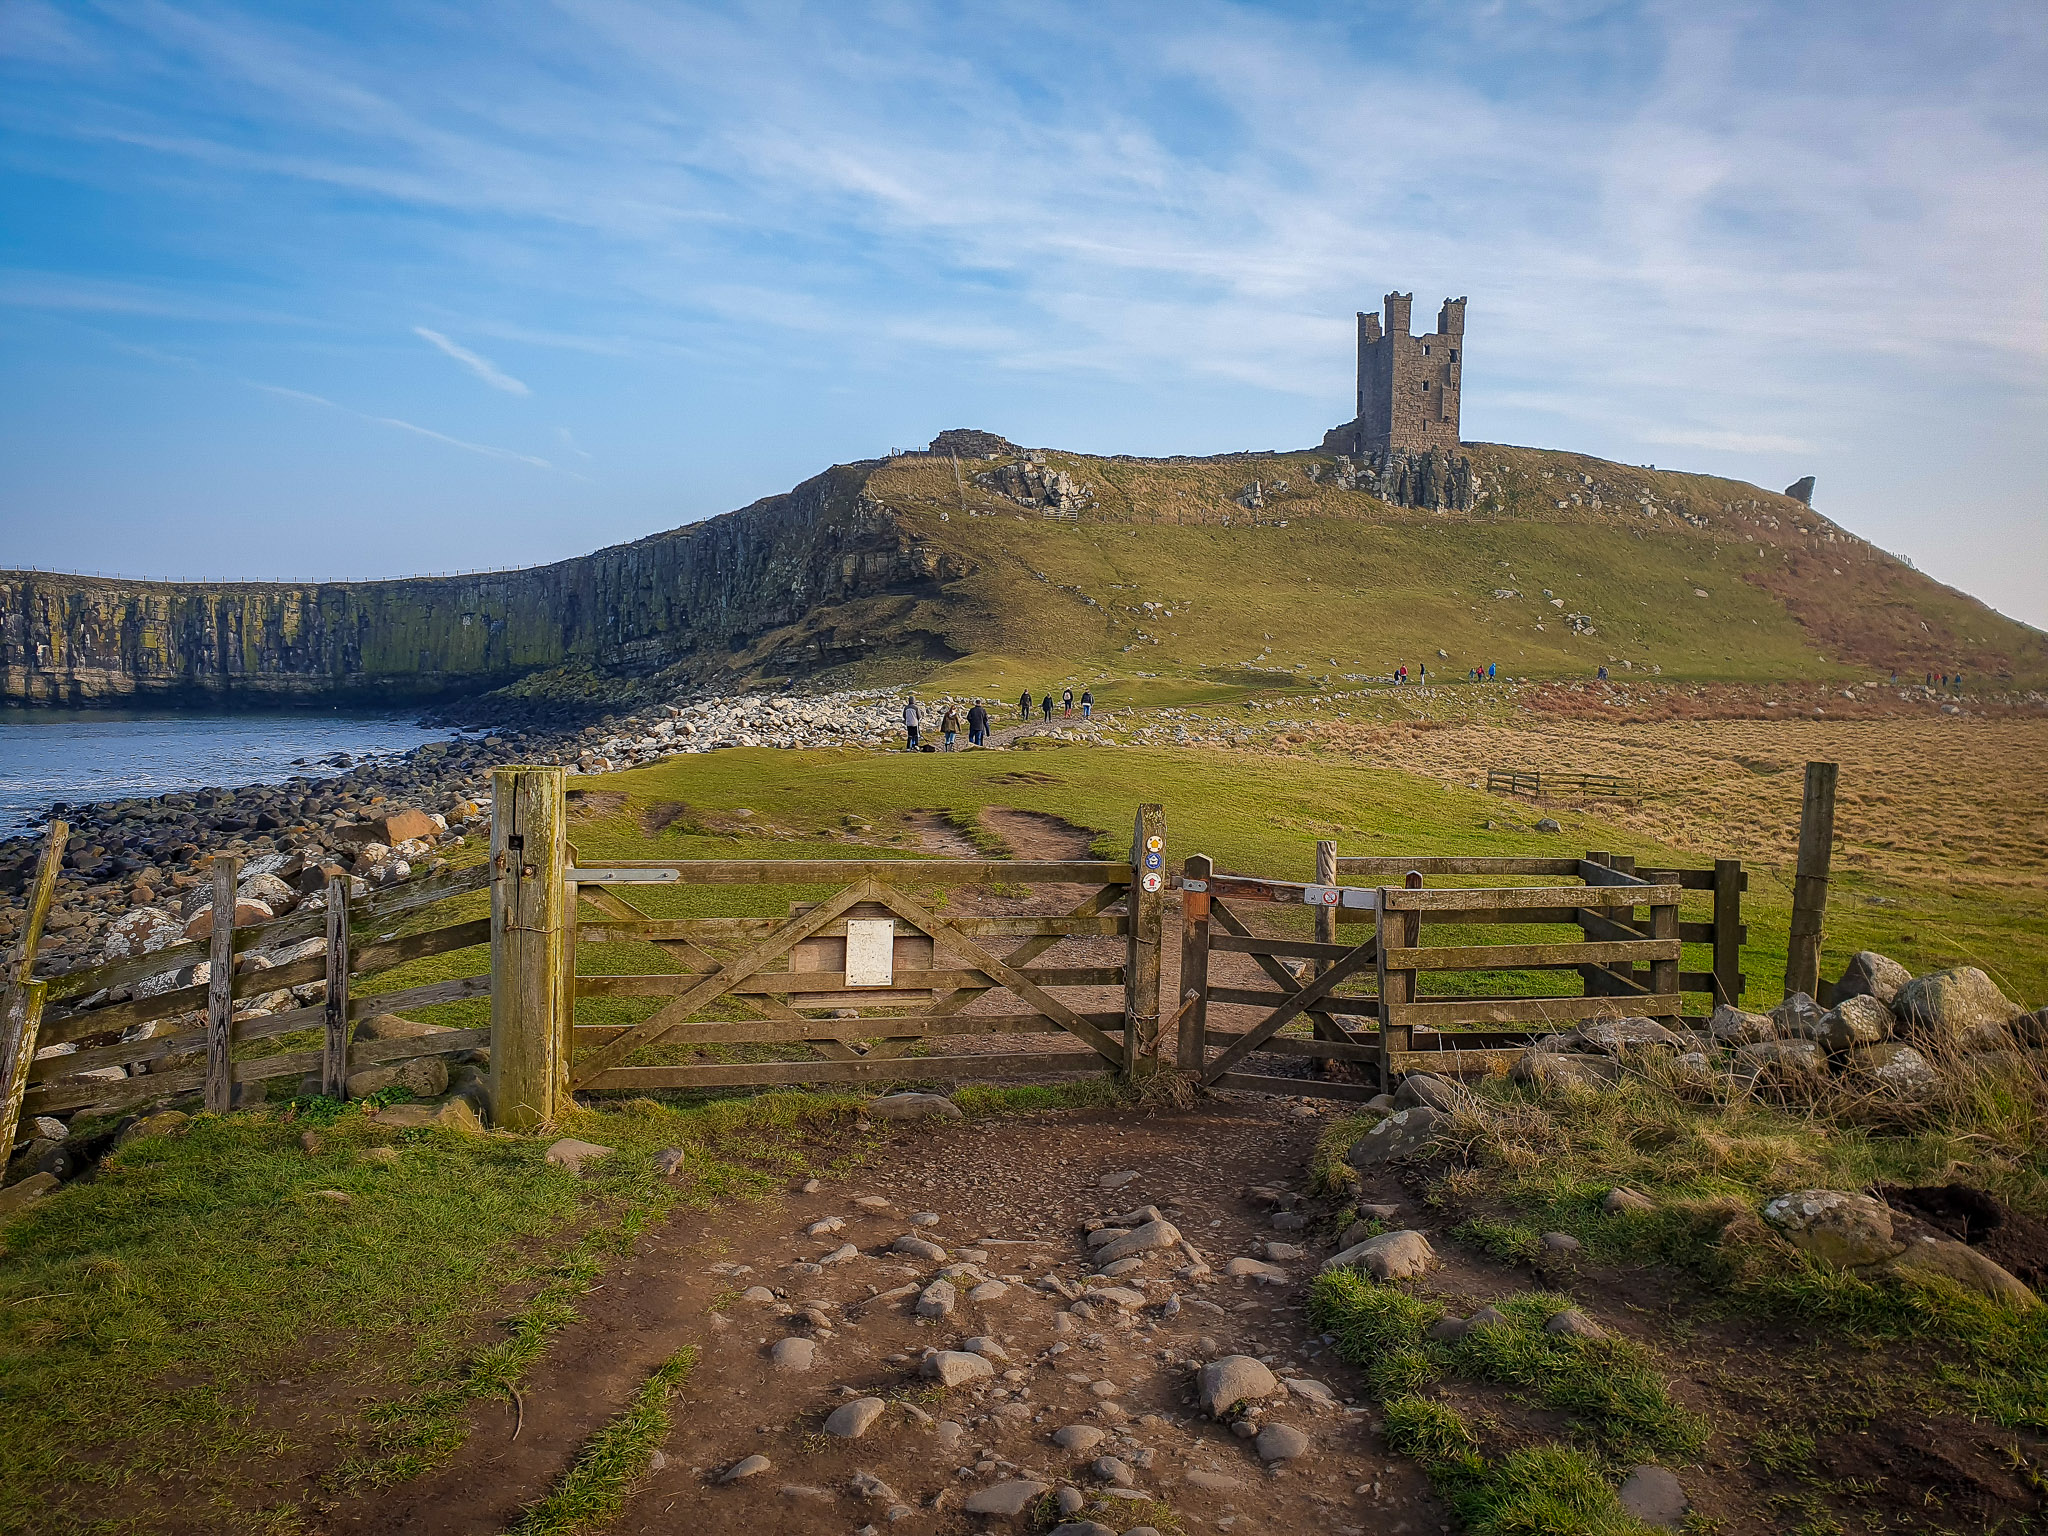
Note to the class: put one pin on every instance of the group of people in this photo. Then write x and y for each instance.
(949, 726)
(914, 715)
(1481, 674)
(1066, 704)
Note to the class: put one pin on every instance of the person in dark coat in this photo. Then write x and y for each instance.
(977, 725)
(1024, 705)
(1048, 709)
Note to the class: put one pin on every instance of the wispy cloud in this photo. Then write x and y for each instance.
(485, 449)
(482, 367)
(1138, 229)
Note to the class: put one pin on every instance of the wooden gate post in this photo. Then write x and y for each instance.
(22, 1016)
(1192, 1047)
(220, 987)
(1397, 930)
(1810, 886)
(1728, 932)
(1326, 917)
(1147, 907)
(529, 958)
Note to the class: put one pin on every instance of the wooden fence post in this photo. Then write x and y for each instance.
(1147, 907)
(23, 1014)
(1326, 917)
(1663, 974)
(529, 1033)
(334, 1056)
(1192, 1047)
(220, 986)
(1810, 885)
(1728, 932)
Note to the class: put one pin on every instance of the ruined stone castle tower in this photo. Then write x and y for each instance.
(1406, 429)
(1408, 385)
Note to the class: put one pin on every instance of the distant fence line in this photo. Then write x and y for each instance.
(1539, 784)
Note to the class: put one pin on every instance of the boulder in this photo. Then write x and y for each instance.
(450, 1115)
(1945, 1006)
(1616, 1037)
(16, 1197)
(140, 931)
(1008, 1500)
(1280, 1442)
(956, 1367)
(1784, 1058)
(1850, 1231)
(1732, 1026)
(425, 1077)
(1390, 1256)
(1797, 1018)
(910, 1245)
(914, 1106)
(1946, 1259)
(269, 890)
(1653, 1495)
(851, 1420)
(165, 1122)
(572, 1154)
(1869, 974)
(1623, 1201)
(1234, 1379)
(746, 1467)
(1552, 1069)
(1854, 1021)
(937, 1299)
(1902, 1070)
(247, 913)
(1429, 1091)
(389, 1026)
(1149, 1238)
(794, 1354)
(1404, 1133)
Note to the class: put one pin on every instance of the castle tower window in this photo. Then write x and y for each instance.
(1454, 354)
(1425, 349)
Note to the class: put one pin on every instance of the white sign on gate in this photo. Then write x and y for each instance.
(870, 952)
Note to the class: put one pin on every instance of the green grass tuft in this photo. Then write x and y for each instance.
(595, 1488)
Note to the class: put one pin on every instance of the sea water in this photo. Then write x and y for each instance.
(79, 755)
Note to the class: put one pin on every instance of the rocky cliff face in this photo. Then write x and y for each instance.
(709, 590)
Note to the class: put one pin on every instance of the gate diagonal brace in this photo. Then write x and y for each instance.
(653, 1030)
(1363, 955)
(1009, 976)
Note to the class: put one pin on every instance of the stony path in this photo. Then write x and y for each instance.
(812, 1305)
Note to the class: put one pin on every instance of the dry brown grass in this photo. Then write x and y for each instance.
(1918, 798)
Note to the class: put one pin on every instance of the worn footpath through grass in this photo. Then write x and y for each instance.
(228, 1293)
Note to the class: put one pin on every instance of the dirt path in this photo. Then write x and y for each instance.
(1008, 1198)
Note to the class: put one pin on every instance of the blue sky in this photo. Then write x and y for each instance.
(324, 291)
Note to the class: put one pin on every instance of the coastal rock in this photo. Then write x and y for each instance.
(1869, 974)
(1947, 1005)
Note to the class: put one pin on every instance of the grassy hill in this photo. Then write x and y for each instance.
(1678, 575)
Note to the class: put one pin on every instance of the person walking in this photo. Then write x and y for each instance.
(977, 725)
(1048, 708)
(1490, 668)
(1087, 703)
(1024, 705)
(949, 727)
(913, 717)
(1066, 704)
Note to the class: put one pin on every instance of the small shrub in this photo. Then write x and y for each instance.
(1425, 1429)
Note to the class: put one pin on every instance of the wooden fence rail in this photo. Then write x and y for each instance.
(350, 948)
(1543, 784)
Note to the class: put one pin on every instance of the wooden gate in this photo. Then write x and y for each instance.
(844, 989)
(1626, 956)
